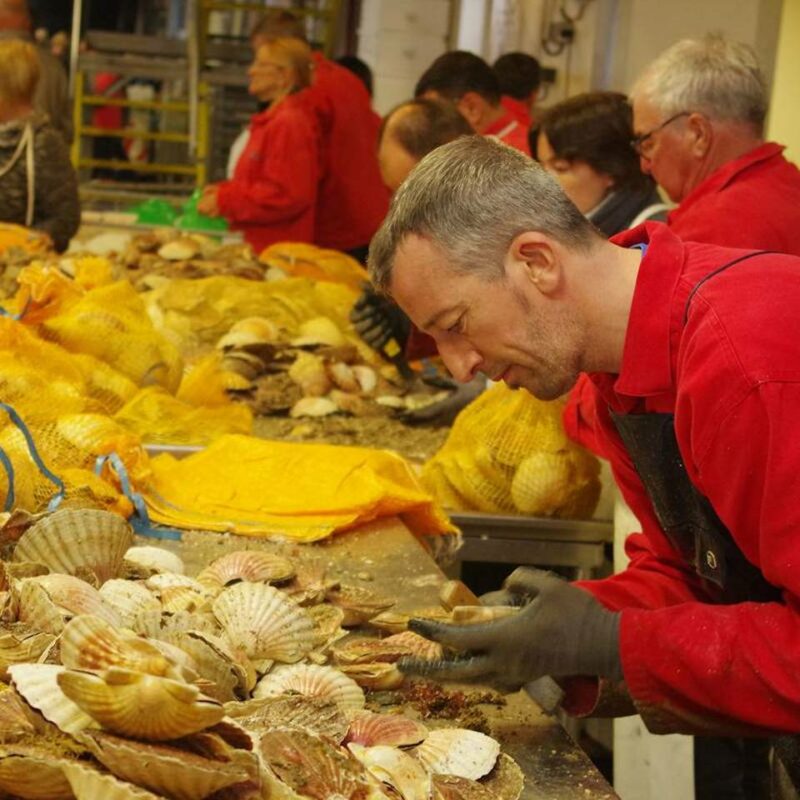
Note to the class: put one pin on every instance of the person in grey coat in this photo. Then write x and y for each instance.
(38, 186)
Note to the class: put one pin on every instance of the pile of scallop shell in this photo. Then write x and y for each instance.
(314, 374)
(126, 678)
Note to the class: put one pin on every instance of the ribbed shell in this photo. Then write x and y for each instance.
(358, 603)
(397, 769)
(37, 685)
(157, 625)
(128, 599)
(170, 771)
(14, 724)
(370, 729)
(327, 622)
(32, 774)
(453, 787)
(70, 595)
(139, 705)
(154, 559)
(77, 538)
(313, 681)
(458, 751)
(506, 781)
(264, 622)
(90, 784)
(378, 675)
(255, 566)
(22, 645)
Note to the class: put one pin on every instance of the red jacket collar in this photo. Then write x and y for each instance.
(500, 126)
(647, 359)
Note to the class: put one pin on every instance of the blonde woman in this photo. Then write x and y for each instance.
(38, 186)
(272, 194)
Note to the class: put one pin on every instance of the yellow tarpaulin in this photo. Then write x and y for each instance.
(303, 492)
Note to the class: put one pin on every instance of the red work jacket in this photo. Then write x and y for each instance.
(518, 109)
(753, 201)
(273, 192)
(353, 199)
(729, 370)
(509, 131)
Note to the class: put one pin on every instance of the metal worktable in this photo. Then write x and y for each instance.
(385, 555)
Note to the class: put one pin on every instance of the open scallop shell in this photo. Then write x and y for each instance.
(319, 331)
(264, 622)
(22, 644)
(14, 724)
(454, 787)
(506, 781)
(128, 599)
(90, 643)
(33, 773)
(69, 595)
(380, 675)
(73, 538)
(313, 681)
(169, 771)
(172, 580)
(312, 767)
(390, 649)
(358, 603)
(370, 729)
(158, 625)
(327, 622)
(320, 716)
(458, 751)
(313, 407)
(37, 685)
(154, 559)
(91, 784)
(182, 598)
(396, 769)
(246, 565)
(397, 622)
(309, 373)
(140, 705)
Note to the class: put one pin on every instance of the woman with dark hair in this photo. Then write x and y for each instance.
(585, 143)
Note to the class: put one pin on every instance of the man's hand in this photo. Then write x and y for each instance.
(377, 320)
(208, 202)
(561, 631)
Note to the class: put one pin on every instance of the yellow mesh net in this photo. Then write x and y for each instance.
(507, 453)
(306, 261)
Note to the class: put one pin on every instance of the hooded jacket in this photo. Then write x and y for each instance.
(38, 186)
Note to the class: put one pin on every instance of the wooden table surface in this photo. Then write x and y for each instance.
(386, 556)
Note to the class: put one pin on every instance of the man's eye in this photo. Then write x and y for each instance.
(456, 326)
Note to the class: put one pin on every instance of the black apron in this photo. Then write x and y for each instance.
(690, 522)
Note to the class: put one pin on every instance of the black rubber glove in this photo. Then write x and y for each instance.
(561, 631)
(445, 411)
(377, 320)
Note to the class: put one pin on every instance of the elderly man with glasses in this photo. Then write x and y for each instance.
(698, 114)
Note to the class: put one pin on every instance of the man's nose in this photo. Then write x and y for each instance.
(461, 359)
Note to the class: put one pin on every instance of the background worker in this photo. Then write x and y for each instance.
(469, 82)
(273, 193)
(584, 142)
(52, 90)
(698, 116)
(38, 186)
(692, 350)
(519, 76)
(352, 200)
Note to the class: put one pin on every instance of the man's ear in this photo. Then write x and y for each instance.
(702, 132)
(471, 106)
(534, 258)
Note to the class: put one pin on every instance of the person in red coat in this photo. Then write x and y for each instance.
(273, 193)
(468, 81)
(698, 115)
(519, 76)
(693, 352)
(352, 199)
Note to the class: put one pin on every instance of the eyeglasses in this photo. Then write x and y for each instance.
(639, 143)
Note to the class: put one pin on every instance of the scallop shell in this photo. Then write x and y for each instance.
(246, 565)
(396, 769)
(453, 787)
(171, 771)
(344, 378)
(312, 767)
(73, 538)
(506, 781)
(397, 621)
(320, 716)
(157, 625)
(90, 643)
(22, 645)
(69, 595)
(90, 784)
(309, 373)
(139, 705)
(171, 580)
(319, 331)
(366, 376)
(380, 675)
(154, 559)
(246, 365)
(182, 598)
(313, 407)
(358, 603)
(313, 681)
(128, 599)
(264, 622)
(327, 622)
(33, 774)
(181, 249)
(390, 649)
(369, 729)
(14, 724)
(458, 751)
(37, 685)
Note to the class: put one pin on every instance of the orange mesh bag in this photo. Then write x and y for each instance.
(508, 453)
(307, 261)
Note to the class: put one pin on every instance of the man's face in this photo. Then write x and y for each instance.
(267, 76)
(504, 328)
(666, 152)
(394, 160)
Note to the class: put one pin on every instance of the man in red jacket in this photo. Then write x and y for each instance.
(468, 81)
(352, 200)
(698, 114)
(693, 351)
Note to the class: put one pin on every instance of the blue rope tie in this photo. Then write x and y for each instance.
(5, 313)
(9, 468)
